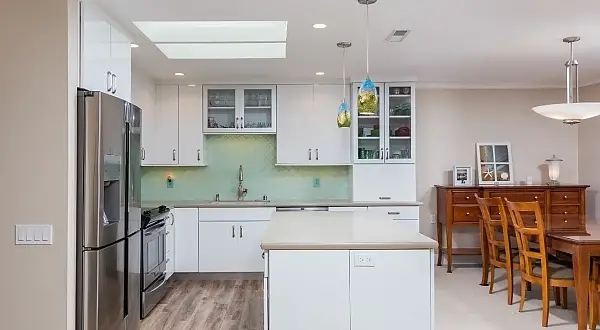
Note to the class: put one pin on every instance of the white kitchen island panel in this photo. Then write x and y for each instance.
(309, 290)
(395, 289)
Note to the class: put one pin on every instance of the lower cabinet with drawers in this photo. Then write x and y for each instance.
(563, 207)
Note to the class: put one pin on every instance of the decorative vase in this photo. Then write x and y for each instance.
(367, 98)
(344, 117)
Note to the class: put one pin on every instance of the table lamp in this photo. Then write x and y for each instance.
(553, 170)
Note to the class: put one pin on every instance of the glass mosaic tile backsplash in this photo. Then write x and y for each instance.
(257, 155)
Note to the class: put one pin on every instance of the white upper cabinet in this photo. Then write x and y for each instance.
(105, 53)
(240, 109)
(174, 127)
(389, 135)
(307, 131)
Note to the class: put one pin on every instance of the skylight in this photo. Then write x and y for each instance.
(211, 51)
(214, 31)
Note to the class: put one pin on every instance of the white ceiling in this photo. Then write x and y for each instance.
(468, 43)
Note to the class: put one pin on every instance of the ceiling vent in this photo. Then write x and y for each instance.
(397, 35)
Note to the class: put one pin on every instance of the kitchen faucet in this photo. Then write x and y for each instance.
(241, 191)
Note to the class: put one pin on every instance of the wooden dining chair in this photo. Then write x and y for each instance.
(535, 266)
(501, 254)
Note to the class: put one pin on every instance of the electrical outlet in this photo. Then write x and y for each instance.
(316, 182)
(170, 181)
(364, 260)
(433, 218)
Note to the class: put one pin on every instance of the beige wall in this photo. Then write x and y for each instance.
(589, 153)
(37, 107)
(450, 122)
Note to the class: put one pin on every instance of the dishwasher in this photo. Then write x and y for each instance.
(302, 209)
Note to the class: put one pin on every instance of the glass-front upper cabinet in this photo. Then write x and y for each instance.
(388, 135)
(240, 109)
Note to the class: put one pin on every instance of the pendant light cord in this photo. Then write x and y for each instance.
(367, 38)
(344, 73)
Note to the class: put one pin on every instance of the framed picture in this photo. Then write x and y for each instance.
(463, 175)
(494, 163)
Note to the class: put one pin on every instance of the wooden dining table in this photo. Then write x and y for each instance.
(581, 246)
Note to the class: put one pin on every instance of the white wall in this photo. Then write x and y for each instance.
(450, 122)
(589, 153)
(37, 144)
(143, 89)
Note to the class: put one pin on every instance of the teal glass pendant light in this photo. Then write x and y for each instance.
(344, 116)
(367, 94)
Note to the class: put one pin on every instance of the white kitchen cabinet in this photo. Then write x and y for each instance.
(376, 292)
(405, 216)
(249, 250)
(240, 109)
(105, 53)
(170, 246)
(384, 182)
(307, 133)
(309, 290)
(389, 135)
(186, 243)
(172, 130)
(347, 208)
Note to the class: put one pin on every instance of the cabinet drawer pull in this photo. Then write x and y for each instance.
(309, 154)
(565, 220)
(535, 197)
(114, 83)
(385, 197)
(317, 153)
(198, 153)
(143, 154)
(565, 197)
(565, 212)
(468, 213)
(381, 153)
(394, 213)
(173, 154)
(241, 122)
(241, 232)
(109, 81)
(237, 122)
(387, 153)
(468, 197)
(263, 255)
(233, 231)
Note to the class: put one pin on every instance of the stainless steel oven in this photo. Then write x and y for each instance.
(154, 265)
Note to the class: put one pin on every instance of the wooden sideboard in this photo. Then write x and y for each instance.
(563, 206)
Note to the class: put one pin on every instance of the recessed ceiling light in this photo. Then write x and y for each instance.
(214, 31)
(191, 85)
(135, 45)
(320, 73)
(179, 74)
(319, 26)
(216, 51)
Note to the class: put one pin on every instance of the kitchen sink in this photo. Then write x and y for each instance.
(242, 202)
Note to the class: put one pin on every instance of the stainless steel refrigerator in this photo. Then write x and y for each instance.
(108, 212)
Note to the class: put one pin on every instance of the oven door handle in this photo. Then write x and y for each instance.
(164, 280)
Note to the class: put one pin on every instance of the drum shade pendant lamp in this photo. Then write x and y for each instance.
(344, 117)
(572, 112)
(367, 94)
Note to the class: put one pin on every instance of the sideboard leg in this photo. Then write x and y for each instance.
(449, 246)
(439, 239)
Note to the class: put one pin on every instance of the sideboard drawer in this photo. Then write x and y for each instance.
(569, 221)
(398, 212)
(564, 210)
(466, 213)
(529, 196)
(564, 197)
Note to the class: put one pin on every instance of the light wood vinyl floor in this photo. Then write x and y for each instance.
(209, 305)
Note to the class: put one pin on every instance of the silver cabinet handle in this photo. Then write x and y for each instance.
(387, 153)
(241, 232)
(143, 154)
(242, 122)
(198, 153)
(114, 83)
(237, 125)
(381, 153)
(173, 154)
(317, 151)
(384, 197)
(172, 218)
(394, 213)
(109, 81)
(263, 255)
(233, 231)
(309, 154)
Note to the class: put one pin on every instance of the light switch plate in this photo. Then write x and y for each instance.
(364, 260)
(33, 234)
(316, 182)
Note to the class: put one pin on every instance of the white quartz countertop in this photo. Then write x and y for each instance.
(358, 230)
(249, 203)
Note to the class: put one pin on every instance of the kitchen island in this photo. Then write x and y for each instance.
(346, 270)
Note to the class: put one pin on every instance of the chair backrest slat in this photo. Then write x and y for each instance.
(496, 230)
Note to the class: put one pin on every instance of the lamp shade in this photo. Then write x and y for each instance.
(367, 98)
(344, 117)
(569, 112)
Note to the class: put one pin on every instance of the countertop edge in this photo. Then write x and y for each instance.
(280, 204)
(350, 246)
